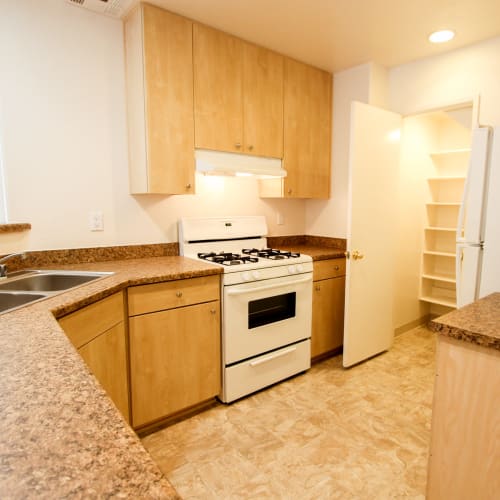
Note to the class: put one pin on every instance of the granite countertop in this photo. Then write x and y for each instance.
(317, 252)
(477, 323)
(60, 435)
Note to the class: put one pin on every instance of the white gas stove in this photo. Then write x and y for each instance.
(266, 301)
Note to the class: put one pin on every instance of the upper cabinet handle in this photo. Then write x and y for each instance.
(237, 145)
(250, 148)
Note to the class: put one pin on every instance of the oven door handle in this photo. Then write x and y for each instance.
(273, 356)
(269, 287)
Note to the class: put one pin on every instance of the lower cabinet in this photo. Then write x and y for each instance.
(328, 307)
(98, 333)
(174, 353)
(464, 458)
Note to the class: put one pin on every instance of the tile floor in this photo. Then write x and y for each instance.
(360, 433)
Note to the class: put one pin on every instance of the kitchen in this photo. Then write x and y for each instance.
(89, 96)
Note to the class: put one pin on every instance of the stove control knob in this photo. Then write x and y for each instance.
(245, 276)
(300, 268)
(256, 275)
(291, 269)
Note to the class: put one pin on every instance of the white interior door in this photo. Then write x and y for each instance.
(372, 221)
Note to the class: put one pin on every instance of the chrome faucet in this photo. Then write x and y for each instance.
(3, 267)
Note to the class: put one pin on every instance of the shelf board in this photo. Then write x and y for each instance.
(442, 301)
(443, 204)
(447, 229)
(440, 254)
(447, 152)
(447, 278)
(447, 178)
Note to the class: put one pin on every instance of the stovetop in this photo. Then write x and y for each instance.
(247, 256)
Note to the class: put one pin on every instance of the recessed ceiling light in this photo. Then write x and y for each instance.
(441, 36)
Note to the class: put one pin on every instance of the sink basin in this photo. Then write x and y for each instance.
(50, 281)
(12, 300)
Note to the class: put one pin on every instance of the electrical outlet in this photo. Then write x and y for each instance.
(96, 221)
(280, 220)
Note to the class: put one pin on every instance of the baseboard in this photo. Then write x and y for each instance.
(423, 320)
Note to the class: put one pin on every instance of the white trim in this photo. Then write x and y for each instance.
(4, 216)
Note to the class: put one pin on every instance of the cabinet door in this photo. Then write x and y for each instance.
(218, 87)
(159, 74)
(168, 65)
(327, 316)
(307, 131)
(262, 102)
(106, 357)
(174, 360)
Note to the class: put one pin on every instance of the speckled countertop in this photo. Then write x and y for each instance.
(478, 323)
(319, 248)
(316, 252)
(60, 435)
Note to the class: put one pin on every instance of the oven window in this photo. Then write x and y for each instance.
(271, 309)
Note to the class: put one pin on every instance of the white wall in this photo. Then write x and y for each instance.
(458, 75)
(63, 135)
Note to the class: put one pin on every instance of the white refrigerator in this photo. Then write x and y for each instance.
(478, 230)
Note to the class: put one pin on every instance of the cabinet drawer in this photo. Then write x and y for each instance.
(158, 296)
(87, 323)
(331, 268)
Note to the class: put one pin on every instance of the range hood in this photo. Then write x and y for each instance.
(222, 163)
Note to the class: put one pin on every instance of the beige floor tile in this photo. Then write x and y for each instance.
(360, 433)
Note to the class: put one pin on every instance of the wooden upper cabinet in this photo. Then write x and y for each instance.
(218, 89)
(238, 89)
(307, 131)
(307, 134)
(262, 102)
(159, 70)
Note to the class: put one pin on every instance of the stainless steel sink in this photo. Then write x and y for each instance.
(49, 282)
(25, 287)
(9, 300)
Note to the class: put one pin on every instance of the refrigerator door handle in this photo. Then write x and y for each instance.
(461, 215)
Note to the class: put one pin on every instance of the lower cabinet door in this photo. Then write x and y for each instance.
(106, 356)
(174, 360)
(328, 315)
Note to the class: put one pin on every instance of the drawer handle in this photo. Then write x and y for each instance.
(273, 356)
(336, 268)
(318, 288)
(178, 294)
(212, 311)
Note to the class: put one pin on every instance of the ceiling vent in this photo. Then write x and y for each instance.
(112, 8)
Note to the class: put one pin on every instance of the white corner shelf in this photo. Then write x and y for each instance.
(440, 254)
(446, 178)
(443, 204)
(442, 301)
(445, 229)
(448, 152)
(446, 278)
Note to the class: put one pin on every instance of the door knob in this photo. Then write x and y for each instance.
(357, 255)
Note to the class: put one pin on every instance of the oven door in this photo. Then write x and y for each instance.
(264, 315)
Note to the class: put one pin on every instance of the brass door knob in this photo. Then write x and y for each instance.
(357, 255)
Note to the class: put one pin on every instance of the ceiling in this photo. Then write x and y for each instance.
(338, 34)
